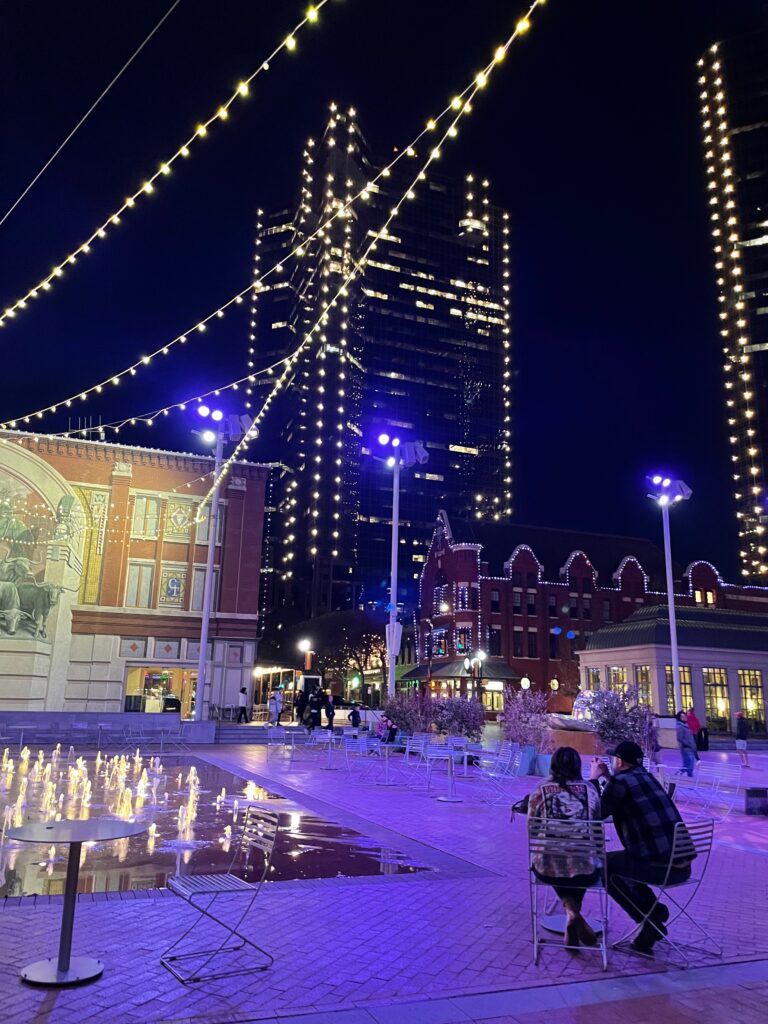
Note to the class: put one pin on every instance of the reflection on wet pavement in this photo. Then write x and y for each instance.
(192, 811)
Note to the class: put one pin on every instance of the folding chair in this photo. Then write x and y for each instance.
(691, 843)
(580, 840)
(501, 774)
(275, 737)
(713, 784)
(255, 845)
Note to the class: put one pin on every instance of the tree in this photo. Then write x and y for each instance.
(525, 719)
(345, 643)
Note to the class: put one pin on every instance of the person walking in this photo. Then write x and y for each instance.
(301, 706)
(567, 797)
(687, 745)
(742, 732)
(645, 818)
(274, 708)
(354, 718)
(315, 708)
(692, 719)
(279, 699)
(242, 706)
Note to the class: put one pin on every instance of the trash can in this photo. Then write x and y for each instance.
(756, 800)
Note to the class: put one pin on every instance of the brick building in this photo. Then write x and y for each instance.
(102, 568)
(531, 597)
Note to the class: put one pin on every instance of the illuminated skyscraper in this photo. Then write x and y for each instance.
(419, 346)
(733, 90)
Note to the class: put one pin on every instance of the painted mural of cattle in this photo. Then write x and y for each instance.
(14, 570)
(10, 606)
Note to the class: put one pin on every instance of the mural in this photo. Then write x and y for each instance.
(28, 525)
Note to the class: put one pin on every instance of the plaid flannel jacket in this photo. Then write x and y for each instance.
(644, 816)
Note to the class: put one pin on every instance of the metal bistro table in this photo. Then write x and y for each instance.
(67, 969)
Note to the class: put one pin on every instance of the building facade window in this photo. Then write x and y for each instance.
(138, 589)
(517, 643)
(586, 608)
(463, 639)
(531, 579)
(593, 679)
(643, 684)
(752, 697)
(532, 644)
(517, 579)
(494, 642)
(554, 646)
(146, 516)
(552, 606)
(531, 606)
(204, 525)
(686, 688)
(717, 704)
(517, 603)
(198, 586)
(607, 613)
(439, 644)
(463, 597)
(617, 678)
(495, 601)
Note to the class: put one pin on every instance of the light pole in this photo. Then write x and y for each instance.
(665, 492)
(232, 430)
(411, 453)
(474, 665)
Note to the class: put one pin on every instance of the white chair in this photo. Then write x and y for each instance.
(500, 775)
(553, 838)
(691, 844)
(254, 848)
(713, 785)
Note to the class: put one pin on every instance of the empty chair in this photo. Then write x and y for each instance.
(253, 855)
(713, 786)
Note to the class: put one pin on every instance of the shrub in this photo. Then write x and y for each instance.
(411, 712)
(619, 716)
(458, 716)
(525, 719)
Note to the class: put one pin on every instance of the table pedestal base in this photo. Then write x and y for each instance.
(46, 972)
(556, 923)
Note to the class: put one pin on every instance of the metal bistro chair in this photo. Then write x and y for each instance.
(255, 845)
(691, 843)
(712, 784)
(500, 775)
(276, 738)
(582, 840)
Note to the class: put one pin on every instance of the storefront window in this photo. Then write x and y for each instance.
(752, 699)
(593, 678)
(643, 684)
(686, 688)
(617, 678)
(154, 689)
(717, 705)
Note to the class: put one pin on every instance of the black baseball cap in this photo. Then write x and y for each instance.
(628, 751)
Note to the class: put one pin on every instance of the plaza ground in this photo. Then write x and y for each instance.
(449, 944)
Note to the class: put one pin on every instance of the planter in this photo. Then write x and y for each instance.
(528, 761)
(543, 762)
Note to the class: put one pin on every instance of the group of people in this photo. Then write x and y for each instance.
(693, 737)
(644, 817)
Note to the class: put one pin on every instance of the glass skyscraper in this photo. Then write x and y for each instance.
(733, 90)
(417, 346)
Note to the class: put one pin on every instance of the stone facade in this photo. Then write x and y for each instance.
(102, 566)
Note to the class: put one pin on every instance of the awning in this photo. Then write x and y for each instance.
(493, 668)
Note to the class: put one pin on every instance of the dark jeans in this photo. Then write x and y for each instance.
(242, 715)
(570, 888)
(702, 739)
(628, 891)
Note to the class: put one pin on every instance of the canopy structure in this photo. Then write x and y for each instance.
(493, 668)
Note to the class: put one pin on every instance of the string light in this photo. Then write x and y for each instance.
(458, 107)
(148, 187)
(467, 96)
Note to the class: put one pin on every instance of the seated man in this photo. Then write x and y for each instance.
(645, 820)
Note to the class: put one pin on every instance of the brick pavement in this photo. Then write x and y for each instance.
(409, 943)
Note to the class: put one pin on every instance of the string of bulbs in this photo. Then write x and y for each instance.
(45, 284)
(459, 106)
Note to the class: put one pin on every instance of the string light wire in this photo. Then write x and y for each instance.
(461, 104)
(221, 114)
(87, 114)
(460, 110)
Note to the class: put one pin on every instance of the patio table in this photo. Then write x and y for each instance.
(66, 969)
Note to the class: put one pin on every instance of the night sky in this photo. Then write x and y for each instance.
(589, 135)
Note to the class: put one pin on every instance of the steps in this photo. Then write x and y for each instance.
(229, 732)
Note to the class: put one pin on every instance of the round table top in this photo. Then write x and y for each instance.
(86, 830)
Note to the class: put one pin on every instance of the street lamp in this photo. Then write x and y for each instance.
(666, 492)
(474, 665)
(525, 683)
(305, 647)
(233, 430)
(407, 455)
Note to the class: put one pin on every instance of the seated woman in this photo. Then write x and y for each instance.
(566, 797)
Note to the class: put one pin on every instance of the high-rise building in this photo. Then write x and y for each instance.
(417, 345)
(733, 90)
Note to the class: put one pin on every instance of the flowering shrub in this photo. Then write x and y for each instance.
(619, 716)
(419, 712)
(458, 716)
(525, 719)
(411, 712)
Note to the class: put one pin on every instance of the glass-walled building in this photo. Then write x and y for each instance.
(418, 347)
(723, 659)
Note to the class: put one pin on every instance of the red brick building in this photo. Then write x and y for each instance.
(102, 567)
(530, 597)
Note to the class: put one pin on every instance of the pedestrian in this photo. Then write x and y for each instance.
(742, 732)
(354, 718)
(687, 745)
(567, 797)
(242, 709)
(651, 743)
(301, 706)
(644, 817)
(330, 711)
(274, 708)
(279, 699)
(695, 726)
(315, 708)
